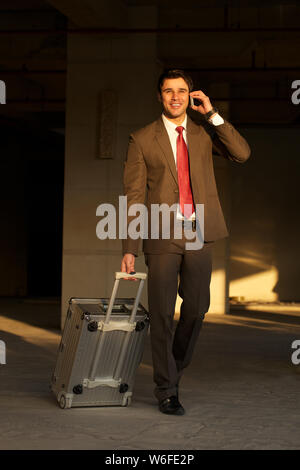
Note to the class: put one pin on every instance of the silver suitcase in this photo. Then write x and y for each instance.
(100, 349)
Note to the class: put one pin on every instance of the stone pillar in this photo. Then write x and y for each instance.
(111, 91)
(220, 276)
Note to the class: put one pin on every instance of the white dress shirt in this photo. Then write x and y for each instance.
(216, 120)
(173, 134)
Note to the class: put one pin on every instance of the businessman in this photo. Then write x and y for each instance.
(170, 161)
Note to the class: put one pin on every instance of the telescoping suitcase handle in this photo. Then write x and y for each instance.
(134, 275)
(118, 276)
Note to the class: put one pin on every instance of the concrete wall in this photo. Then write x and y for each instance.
(127, 66)
(259, 198)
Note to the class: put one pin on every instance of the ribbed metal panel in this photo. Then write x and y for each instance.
(75, 362)
(67, 351)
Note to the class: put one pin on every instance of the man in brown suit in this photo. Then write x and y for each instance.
(151, 176)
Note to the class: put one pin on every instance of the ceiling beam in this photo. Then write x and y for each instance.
(90, 13)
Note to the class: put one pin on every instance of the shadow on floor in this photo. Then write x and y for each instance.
(268, 316)
(42, 313)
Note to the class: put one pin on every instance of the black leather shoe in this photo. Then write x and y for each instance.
(171, 406)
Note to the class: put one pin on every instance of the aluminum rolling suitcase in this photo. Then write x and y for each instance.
(100, 349)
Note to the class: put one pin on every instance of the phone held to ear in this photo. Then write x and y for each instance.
(194, 102)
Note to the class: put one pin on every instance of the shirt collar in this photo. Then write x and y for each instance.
(171, 126)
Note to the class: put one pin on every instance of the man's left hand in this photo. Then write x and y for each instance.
(205, 105)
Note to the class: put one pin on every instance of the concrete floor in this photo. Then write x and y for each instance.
(241, 391)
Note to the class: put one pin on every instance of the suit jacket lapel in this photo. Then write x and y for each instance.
(165, 145)
(194, 142)
(195, 139)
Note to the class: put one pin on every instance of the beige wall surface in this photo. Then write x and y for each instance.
(126, 66)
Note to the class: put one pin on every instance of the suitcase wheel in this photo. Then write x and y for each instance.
(62, 402)
(139, 326)
(93, 326)
(78, 389)
(123, 388)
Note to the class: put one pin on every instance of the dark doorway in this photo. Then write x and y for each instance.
(44, 207)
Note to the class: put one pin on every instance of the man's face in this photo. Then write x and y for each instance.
(174, 97)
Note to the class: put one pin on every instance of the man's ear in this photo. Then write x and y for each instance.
(159, 97)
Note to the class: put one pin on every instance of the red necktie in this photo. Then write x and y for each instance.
(185, 192)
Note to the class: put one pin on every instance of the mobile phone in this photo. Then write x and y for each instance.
(194, 101)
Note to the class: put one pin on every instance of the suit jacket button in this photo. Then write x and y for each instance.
(176, 190)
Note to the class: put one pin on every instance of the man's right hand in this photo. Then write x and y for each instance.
(127, 265)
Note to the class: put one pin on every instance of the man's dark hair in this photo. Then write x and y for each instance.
(174, 73)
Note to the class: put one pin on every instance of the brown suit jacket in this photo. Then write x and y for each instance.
(150, 175)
